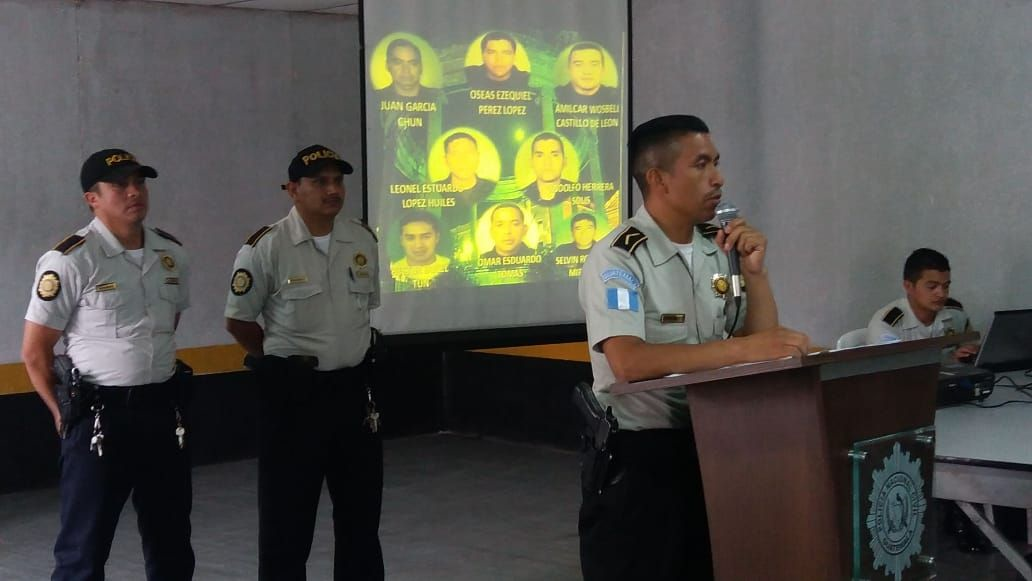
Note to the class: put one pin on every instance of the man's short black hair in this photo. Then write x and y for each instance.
(548, 136)
(924, 259)
(402, 42)
(497, 35)
(586, 45)
(507, 205)
(582, 216)
(457, 136)
(654, 143)
(420, 216)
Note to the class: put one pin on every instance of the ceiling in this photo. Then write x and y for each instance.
(317, 6)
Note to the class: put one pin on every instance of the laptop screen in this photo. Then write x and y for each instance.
(1008, 342)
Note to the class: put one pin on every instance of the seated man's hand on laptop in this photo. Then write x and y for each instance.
(966, 353)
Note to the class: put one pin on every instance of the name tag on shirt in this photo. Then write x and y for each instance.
(297, 279)
(622, 299)
(671, 318)
(172, 280)
(107, 286)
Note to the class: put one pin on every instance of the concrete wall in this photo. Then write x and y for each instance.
(855, 132)
(851, 133)
(218, 100)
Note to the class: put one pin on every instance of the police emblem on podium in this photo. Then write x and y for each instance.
(892, 488)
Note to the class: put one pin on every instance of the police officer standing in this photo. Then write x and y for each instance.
(656, 298)
(114, 291)
(313, 277)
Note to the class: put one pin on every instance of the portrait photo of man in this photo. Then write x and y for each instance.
(547, 159)
(586, 66)
(404, 64)
(420, 236)
(498, 52)
(508, 227)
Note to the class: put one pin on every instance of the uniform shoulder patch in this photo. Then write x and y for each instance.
(69, 244)
(167, 236)
(894, 316)
(629, 240)
(254, 238)
(367, 228)
(709, 230)
(952, 303)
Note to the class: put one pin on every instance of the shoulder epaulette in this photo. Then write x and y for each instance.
(954, 304)
(254, 238)
(167, 236)
(629, 240)
(709, 230)
(367, 228)
(895, 315)
(69, 244)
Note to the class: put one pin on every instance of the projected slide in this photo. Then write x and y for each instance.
(495, 136)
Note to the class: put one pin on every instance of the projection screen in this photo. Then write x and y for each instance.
(495, 137)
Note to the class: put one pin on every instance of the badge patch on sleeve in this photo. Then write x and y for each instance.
(242, 282)
(620, 274)
(49, 286)
(622, 299)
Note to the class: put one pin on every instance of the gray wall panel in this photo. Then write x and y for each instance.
(218, 100)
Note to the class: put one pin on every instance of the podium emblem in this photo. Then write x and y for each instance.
(896, 515)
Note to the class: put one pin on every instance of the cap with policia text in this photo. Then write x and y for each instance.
(311, 160)
(108, 165)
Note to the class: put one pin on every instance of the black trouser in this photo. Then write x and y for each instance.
(142, 457)
(311, 428)
(651, 522)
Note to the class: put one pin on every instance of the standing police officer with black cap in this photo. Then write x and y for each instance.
(313, 277)
(114, 290)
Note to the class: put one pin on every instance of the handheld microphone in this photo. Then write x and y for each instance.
(726, 212)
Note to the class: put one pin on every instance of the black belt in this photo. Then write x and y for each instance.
(151, 395)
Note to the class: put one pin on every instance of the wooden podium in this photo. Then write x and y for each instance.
(774, 440)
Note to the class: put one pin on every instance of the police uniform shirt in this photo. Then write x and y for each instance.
(311, 303)
(118, 318)
(636, 283)
(896, 322)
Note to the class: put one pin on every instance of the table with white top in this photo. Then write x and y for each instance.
(984, 456)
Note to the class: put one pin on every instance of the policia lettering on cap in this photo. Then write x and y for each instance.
(313, 277)
(114, 291)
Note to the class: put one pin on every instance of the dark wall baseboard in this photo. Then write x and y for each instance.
(419, 390)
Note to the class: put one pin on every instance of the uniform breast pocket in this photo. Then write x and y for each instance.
(97, 315)
(165, 308)
(361, 290)
(302, 306)
(669, 329)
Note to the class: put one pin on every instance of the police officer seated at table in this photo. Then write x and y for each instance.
(114, 291)
(926, 310)
(313, 277)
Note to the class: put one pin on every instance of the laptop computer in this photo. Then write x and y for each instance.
(1007, 347)
(1008, 342)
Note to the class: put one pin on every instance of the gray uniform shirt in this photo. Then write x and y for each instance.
(896, 322)
(636, 283)
(118, 319)
(311, 303)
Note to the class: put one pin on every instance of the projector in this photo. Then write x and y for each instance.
(963, 383)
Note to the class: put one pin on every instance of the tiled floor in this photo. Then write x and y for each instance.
(454, 509)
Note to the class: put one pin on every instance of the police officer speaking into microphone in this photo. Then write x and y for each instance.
(114, 291)
(655, 294)
(313, 276)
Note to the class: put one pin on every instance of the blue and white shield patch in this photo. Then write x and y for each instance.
(622, 299)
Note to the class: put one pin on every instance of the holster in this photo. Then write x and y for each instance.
(597, 462)
(74, 396)
(184, 384)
